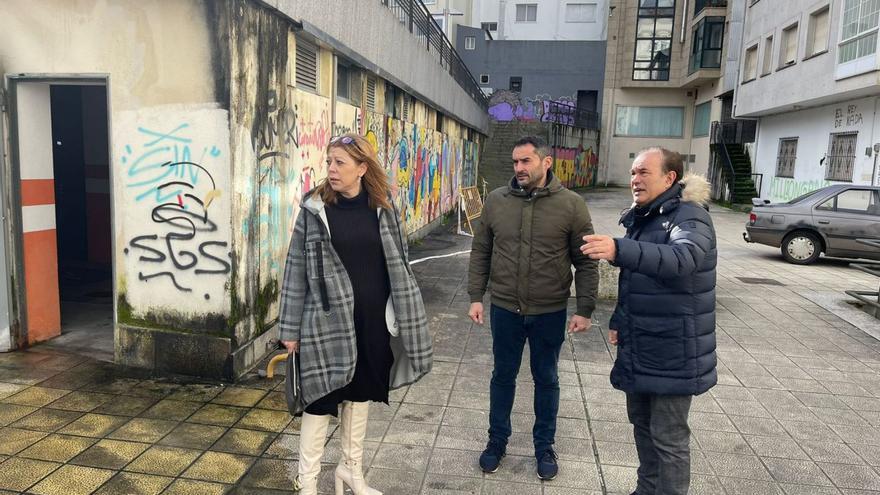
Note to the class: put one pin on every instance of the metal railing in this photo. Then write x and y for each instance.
(737, 131)
(758, 180)
(418, 20)
(569, 114)
(722, 155)
(699, 5)
(872, 299)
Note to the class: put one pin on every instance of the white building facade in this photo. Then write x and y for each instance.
(810, 75)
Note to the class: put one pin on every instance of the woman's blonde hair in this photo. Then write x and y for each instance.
(375, 180)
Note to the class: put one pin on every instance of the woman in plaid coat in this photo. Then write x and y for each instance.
(350, 307)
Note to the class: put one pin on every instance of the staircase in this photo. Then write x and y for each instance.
(743, 187)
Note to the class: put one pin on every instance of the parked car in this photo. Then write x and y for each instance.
(827, 220)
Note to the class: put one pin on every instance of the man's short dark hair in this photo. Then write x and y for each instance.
(670, 161)
(541, 147)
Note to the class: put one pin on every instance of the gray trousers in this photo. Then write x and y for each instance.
(662, 441)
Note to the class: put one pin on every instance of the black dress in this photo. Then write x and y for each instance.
(354, 233)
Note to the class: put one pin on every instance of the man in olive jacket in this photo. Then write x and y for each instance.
(527, 240)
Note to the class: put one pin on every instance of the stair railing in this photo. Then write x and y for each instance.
(717, 139)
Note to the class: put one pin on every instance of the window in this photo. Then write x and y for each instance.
(841, 156)
(489, 26)
(858, 32)
(699, 5)
(649, 121)
(701, 119)
(862, 201)
(306, 65)
(516, 83)
(484, 78)
(786, 157)
(440, 20)
(707, 44)
(767, 64)
(343, 81)
(470, 42)
(789, 46)
(580, 12)
(526, 12)
(750, 65)
(817, 32)
(429, 2)
(371, 93)
(653, 40)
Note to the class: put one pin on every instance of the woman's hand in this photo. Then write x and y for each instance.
(291, 345)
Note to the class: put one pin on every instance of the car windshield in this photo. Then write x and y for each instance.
(802, 197)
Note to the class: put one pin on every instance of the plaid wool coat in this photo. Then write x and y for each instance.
(317, 306)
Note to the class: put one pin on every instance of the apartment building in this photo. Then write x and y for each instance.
(809, 76)
(670, 72)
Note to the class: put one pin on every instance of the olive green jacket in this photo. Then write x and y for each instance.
(525, 245)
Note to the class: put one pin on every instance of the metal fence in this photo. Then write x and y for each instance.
(415, 16)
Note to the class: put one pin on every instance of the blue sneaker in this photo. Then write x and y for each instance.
(547, 467)
(490, 459)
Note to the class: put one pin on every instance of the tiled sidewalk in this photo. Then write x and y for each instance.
(797, 409)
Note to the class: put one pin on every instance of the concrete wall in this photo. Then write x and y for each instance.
(811, 81)
(386, 48)
(812, 127)
(550, 70)
(550, 21)
(213, 145)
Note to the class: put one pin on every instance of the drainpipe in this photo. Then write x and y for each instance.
(684, 17)
(333, 90)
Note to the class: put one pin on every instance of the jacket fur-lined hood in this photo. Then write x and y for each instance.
(695, 189)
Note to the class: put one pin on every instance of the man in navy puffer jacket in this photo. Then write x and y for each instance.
(664, 322)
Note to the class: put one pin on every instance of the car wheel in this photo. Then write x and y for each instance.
(801, 248)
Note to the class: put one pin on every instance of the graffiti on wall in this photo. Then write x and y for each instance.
(173, 176)
(785, 189)
(348, 119)
(847, 117)
(286, 171)
(575, 167)
(507, 106)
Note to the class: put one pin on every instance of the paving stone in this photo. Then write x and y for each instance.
(271, 473)
(722, 441)
(220, 467)
(47, 420)
(740, 486)
(404, 457)
(15, 440)
(436, 484)
(166, 461)
(215, 414)
(795, 471)
(94, 425)
(193, 487)
(783, 447)
(175, 410)
(127, 406)
(285, 446)
(135, 484)
(852, 476)
(18, 474)
(72, 480)
(739, 466)
(10, 413)
(143, 430)
(194, 436)
(36, 396)
(57, 448)
(264, 419)
(402, 432)
(238, 396)
(110, 454)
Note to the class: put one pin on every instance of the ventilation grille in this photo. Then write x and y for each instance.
(371, 93)
(306, 65)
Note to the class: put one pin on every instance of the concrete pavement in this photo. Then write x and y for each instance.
(796, 411)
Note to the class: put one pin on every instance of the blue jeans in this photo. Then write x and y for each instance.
(662, 434)
(545, 334)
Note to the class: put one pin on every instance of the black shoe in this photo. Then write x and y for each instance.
(547, 467)
(490, 459)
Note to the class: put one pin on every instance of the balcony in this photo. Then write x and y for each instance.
(708, 43)
(699, 5)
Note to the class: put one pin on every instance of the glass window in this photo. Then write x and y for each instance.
(789, 47)
(855, 200)
(516, 84)
(649, 121)
(701, 119)
(707, 44)
(651, 58)
(580, 12)
(841, 156)
(786, 157)
(489, 26)
(343, 81)
(817, 34)
(858, 31)
(470, 42)
(767, 64)
(750, 66)
(526, 12)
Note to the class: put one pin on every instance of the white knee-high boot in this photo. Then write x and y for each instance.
(312, 436)
(350, 470)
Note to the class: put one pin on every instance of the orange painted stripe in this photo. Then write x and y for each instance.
(37, 192)
(41, 285)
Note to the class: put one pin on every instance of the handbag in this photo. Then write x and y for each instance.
(292, 390)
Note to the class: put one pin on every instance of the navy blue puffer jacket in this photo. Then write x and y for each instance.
(665, 315)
